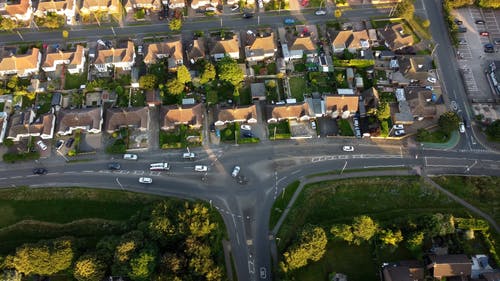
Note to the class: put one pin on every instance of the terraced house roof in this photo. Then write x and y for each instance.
(225, 46)
(237, 113)
(48, 6)
(83, 117)
(116, 55)
(288, 111)
(171, 49)
(173, 115)
(17, 7)
(117, 118)
(74, 58)
(21, 62)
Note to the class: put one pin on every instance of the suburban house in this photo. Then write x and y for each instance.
(350, 40)
(176, 4)
(132, 5)
(242, 114)
(295, 44)
(197, 4)
(21, 65)
(341, 105)
(424, 104)
(260, 45)
(293, 111)
(18, 10)
(445, 266)
(415, 67)
(86, 119)
(370, 98)
(104, 6)
(134, 117)
(65, 8)
(410, 270)
(74, 61)
(395, 37)
(26, 124)
(221, 46)
(196, 50)
(121, 58)
(404, 116)
(175, 115)
(171, 50)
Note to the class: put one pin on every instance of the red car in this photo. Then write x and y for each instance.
(484, 33)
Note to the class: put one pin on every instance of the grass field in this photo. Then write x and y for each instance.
(281, 203)
(298, 88)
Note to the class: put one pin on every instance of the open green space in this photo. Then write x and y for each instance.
(280, 130)
(281, 202)
(345, 128)
(392, 202)
(298, 88)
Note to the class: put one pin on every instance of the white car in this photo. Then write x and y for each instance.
(320, 12)
(431, 79)
(246, 127)
(140, 50)
(313, 125)
(188, 155)
(429, 88)
(145, 180)
(129, 156)
(348, 148)
(235, 7)
(236, 171)
(200, 168)
(461, 127)
(398, 127)
(42, 145)
(399, 132)
(210, 9)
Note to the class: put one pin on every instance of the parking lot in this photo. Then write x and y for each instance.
(471, 54)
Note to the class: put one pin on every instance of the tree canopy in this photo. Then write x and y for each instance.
(311, 245)
(383, 111)
(175, 87)
(148, 81)
(362, 229)
(405, 9)
(229, 71)
(8, 24)
(208, 73)
(448, 122)
(89, 268)
(493, 130)
(183, 74)
(175, 24)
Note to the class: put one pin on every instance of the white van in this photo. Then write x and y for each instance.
(129, 156)
(159, 167)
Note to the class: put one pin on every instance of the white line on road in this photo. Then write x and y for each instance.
(281, 179)
(3, 178)
(294, 172)
(118, 182)
(383, 166)
(30, 176)
(451, 166)
(87, 171)
(16, 177)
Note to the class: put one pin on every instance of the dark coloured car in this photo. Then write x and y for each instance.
(40, 171)
(458, 22)
(114, 166)
(59, 144)
(70, 142)
(212, 127)
(489, 48)
(247, 134)
(247, 15)
(480, 22)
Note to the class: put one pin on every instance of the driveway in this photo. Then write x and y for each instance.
(301, 130)
(327, 126)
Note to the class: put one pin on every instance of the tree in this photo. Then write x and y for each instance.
(148, 81)
(383, 111)
(405, 9)
(65, 34)
(415, 240)
(8, 24)
(311, 246)
(391, 238)
(494, 4)
(448, 122)
(338, 13)
(363, 229)
(175, 24)
(426, 23)
(52, 20)
(8, 142)
(212, 97)
(229, 71)
(439, 225)
(208, 73)
(343, 232)
(183, 74)
(195, 221)
(493, 131)
(143, 265)
(175, 87)
(11, 275)
(89, 268)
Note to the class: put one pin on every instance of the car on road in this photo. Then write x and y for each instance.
(41, 145)
(235, 7)
(399, 133)
(461, 127)
(130, 156)
(236, 171)
(431, 79)
(145, 180)
(247, 15)
(348, 148)
(320, 12)
(40, 171)
(462, 42)
(162, 166)
(59, 144)
(70, 142)
(479, 22)
(263, 273)
(484, 33)
(188, 155)
(398, 127)
(114, 166)
(289, 21)
(246, 127)
(200, 168)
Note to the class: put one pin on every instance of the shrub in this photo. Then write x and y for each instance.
(14, 157)
(248, 140)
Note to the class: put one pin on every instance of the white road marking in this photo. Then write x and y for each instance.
(87, 171)
(383, 166)
(297, 171)
(16, 177)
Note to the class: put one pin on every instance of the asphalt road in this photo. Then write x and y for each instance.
(268, 168)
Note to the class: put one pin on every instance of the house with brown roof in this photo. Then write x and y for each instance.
(176, 4)
(21, 65)
(131, 5)
(172, 50)
(220, 47)
(403, 271)
(241, 114)
(196, 50)
(295, 111)
(123, 58)
(27, 124)
(86, 119)
(295, 44)
(18, 10)
(423, 103)
(395, 36)
(74, 60)
(341, 105)
(66, 8)
(259, 45)
(105, 6)
(197, 4)
(175, 115)
(350, 40)
(136, 118)
(440, 266)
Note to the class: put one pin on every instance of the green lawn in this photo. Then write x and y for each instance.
(298, 88)
(281, 203)
(74, 81)
(282, 130)
(345, 128)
